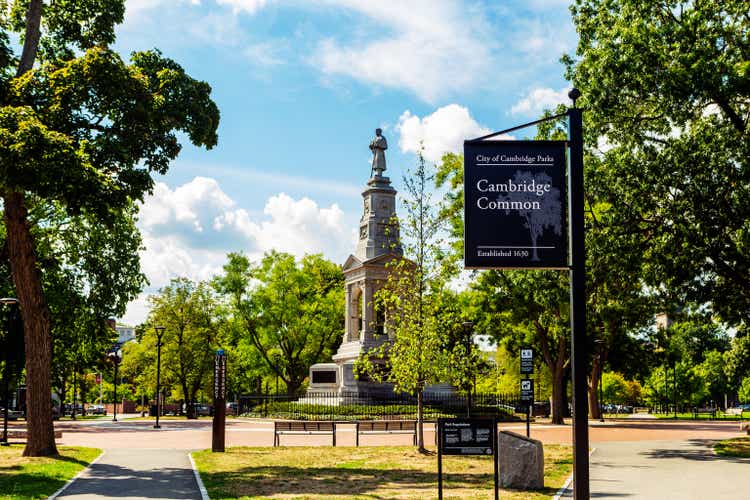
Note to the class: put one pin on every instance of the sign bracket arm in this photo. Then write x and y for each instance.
(517, 127)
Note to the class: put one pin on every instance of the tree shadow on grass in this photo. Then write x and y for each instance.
(341, 483)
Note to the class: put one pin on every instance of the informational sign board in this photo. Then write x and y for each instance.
(527, 391)
(515, 201)
(466, 436)
(220, 375)
(527, 361)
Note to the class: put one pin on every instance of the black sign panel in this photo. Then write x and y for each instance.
(527, 391)
(527, 361)
(220, 375)
(466, 436)
(515, 205)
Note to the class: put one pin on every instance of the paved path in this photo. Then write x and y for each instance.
(666, 470)
(137, 475)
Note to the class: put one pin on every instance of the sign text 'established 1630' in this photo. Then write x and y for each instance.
(514, 205)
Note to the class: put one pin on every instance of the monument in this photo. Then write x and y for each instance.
(365, 272)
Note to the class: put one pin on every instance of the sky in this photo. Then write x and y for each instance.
(302, 85)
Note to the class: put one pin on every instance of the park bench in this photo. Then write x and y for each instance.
(21, 434)
(387, 427)
(704, 411)
(303, 427)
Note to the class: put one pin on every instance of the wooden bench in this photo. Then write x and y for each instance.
(704, 411)
(17, 434)
(303, 427)
(387, 427)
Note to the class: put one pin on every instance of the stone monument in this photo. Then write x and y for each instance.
(365, 272)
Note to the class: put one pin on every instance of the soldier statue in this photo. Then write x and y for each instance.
(378, 147)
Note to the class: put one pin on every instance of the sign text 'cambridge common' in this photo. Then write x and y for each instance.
(514, 204)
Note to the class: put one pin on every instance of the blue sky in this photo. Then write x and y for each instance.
(302, 85)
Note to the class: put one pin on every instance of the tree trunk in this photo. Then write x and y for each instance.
(420, 420)
(36, 327)
(558, 394)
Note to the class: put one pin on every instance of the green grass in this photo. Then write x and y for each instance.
(39, 477)
(737, 447)
(359, 473)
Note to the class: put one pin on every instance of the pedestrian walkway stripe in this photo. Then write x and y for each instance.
(565, 487)
(201, 486)
(80, 473)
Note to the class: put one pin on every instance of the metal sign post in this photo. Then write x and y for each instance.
(514, 218)
(220, 397)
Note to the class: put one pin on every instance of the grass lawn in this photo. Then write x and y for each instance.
(737, 447)
(364, 472)
(35, 477)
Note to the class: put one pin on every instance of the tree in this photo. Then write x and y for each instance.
(665, 86)
(744, 393)
(190, 316)
(292, 317)
(80, 127)
(410, 299)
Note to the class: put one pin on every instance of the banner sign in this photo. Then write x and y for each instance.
(220, 375)
(527, 361)
(527, 391)
(515, 205)
(466, 436)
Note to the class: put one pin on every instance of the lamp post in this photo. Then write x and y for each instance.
(600, 361)
(159, 332)
(468, 327)
(6, 301)
(116, 356)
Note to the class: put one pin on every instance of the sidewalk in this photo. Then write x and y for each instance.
(666, 470)
(136, 474)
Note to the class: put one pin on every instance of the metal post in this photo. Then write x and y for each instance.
(528, 420)
(440, 459)
(495, 457)
(601, 391)
(116, 360)
(4, 441)
(159, 332)
(578, 303)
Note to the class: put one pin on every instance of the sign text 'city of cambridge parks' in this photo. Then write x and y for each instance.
(514, 205)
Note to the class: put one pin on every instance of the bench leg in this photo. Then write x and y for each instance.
(275, 439)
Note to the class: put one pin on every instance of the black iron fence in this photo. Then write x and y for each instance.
(361, 406)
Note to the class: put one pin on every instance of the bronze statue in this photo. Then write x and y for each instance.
(378, 147)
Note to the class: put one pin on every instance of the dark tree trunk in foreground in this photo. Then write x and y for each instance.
(36, 327)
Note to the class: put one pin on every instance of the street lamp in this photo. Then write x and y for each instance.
(6, 301)
(468, 328)
(116, 356)
(159, 332)
(600, 361)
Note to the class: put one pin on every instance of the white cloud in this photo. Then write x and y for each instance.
(539, 99)
(444, 131)
(431, 48)
(187, 232)
(248, 6)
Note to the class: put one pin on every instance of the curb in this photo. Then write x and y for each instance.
(565, 487)
(65, 486)
(201, 486)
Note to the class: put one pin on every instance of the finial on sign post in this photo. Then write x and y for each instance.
(574, 94)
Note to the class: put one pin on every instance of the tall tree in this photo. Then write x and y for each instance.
(189, 313)
(81, 127)
(290, 312)
(411, 300)
(665, 86)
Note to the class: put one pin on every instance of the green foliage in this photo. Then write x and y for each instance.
(744, 392)
(660, 386)
(665, 86)
(287, 315)
(617, 389)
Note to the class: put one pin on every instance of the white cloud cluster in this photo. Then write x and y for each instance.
(187, 232)
(443, 131)
(431, 47)
(539, 99)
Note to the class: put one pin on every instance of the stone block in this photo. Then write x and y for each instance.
(521, 461)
